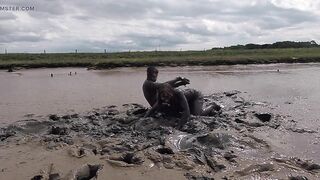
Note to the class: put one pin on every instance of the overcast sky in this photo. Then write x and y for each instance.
(122, 25)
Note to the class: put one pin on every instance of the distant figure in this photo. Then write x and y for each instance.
(70, 73)
(150, 85)
(180, 103)
(51, 75)
(75, 73)
(278, 70)
(10, 69)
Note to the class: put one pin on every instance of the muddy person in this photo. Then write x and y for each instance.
(150, 85)
(180, 103)
(10, 69)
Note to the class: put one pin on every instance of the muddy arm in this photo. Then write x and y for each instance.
(178, 81)
(186, 111)
(182, 82)
(152, 110)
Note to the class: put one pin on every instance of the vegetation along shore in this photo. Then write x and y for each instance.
(280, 52)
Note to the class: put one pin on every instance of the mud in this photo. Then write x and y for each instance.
(225, 145)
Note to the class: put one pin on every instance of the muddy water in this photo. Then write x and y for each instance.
(294, 88)
(293, 91)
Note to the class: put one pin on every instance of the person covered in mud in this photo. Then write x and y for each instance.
(180, 103)
(150, 85)
(10, 69)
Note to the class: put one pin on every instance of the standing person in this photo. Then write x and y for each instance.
(150, 85)
(180, 103)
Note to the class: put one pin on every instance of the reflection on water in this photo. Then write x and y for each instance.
(36, 92)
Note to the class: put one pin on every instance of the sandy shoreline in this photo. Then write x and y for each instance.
(117, 143)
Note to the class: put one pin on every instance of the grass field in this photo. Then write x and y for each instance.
(161, 58)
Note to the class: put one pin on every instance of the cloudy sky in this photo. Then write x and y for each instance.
(122, 25)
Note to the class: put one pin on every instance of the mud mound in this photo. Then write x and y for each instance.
(223, 145)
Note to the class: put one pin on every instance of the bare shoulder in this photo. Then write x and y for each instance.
(147, 83)
(151, 84)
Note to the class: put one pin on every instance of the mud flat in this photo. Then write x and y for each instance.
(118, 143)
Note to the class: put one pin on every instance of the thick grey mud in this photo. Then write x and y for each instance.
(228, 145)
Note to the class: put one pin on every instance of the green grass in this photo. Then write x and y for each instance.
(161, 58)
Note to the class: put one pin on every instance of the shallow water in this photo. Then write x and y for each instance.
(294, 88)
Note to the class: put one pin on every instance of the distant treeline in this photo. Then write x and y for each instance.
(283, 44)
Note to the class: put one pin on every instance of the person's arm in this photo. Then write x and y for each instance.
(152, 110)
(178, 81)
(185, 108)
(182, 82)
(172, 82)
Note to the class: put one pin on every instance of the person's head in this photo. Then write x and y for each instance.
(165, 94)
(152, 73)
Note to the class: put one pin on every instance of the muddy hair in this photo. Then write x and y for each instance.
(165, 89)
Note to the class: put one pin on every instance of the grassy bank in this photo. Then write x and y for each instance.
(161, 58)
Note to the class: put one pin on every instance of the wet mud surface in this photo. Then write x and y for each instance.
(234, 143)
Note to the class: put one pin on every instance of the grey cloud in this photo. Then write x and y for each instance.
(82, 17)
(18, 33)
(148, 24)
(202, 30)
(269, 16)
(151, 41)
(20, 38)
(265, 14)
(50, 8)
(5, 30)
(127, 42)
(125, 9)
(7, 16)
(136, 41)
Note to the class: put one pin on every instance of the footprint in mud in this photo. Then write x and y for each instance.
(165, 150)
(37, 177)
(193, 176)
(298, 178)
(229, 156)
(52, 174)
(126, 160)
(4, 134)
(256, 168)
(78, 152)
(213, 164)
(86, 172)
(56, 130)
(304, 164)
(264, 117)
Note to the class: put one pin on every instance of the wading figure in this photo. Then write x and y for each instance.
(150, 86)
(180, 103)
(10, 69)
